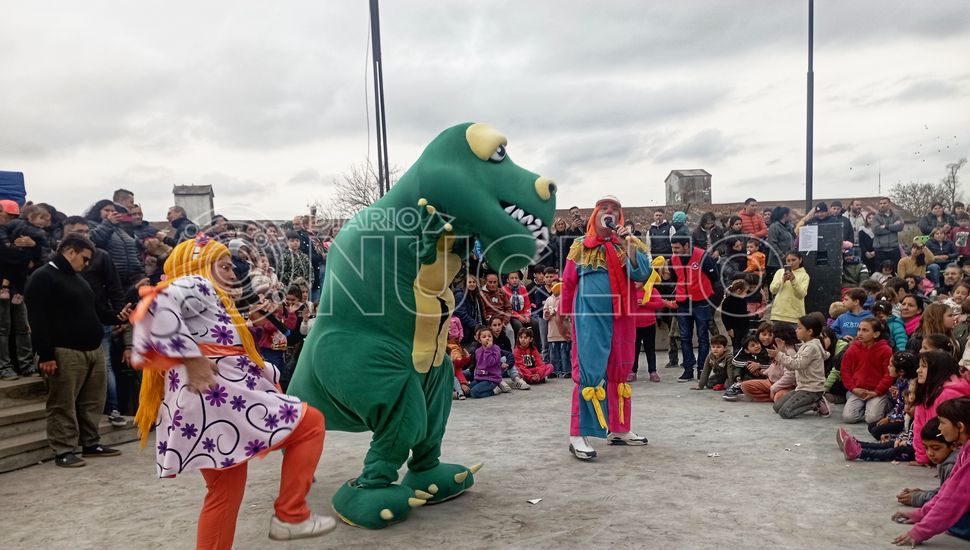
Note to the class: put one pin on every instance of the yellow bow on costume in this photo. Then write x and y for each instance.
(654, 278)
(623, 390)
(596, 395)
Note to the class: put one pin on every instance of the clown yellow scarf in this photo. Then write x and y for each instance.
(190, 258)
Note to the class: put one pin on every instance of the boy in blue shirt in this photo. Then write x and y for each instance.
(847, 324)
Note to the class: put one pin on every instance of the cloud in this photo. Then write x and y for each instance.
(709, 145)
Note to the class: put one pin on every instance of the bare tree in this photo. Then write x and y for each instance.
(358, 189)
(949, 188)
(914, 196)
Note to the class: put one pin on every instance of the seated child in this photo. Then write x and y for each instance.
(488, 366)
(460, 358)
(753, 356)
(559, 335)
(903, 367)
(949, 510)
(889, 447)
(940, 452)
(835, 309)
(847, 324)
(497, 326)
(808, 367)
(528, 360)
(716, 365)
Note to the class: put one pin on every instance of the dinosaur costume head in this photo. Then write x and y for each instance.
(467, 174)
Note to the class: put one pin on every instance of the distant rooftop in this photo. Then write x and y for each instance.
(192, 190)
(689, 173)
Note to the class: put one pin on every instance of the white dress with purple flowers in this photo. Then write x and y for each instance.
(240, 416)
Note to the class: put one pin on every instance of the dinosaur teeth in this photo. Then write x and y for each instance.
(527, 219)
(509, 209)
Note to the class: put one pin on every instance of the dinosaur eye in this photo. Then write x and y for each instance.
(498, 155)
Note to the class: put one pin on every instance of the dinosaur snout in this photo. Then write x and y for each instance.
(545, 188)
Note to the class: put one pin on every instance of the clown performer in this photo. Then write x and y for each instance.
(598, 294)
(212, 400)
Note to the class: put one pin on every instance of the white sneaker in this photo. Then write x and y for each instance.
(520, 384)
(581, 449)
(627, 438)
(313, 526)
(504, 387)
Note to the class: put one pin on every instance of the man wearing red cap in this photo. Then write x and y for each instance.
(597, 293)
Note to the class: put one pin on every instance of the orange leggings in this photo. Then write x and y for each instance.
(217, 521)
(760, 390)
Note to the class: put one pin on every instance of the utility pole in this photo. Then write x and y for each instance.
(383, 177)
(811, 102)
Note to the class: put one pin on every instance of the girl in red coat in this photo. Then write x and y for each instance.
(865, 374)
(528, 360)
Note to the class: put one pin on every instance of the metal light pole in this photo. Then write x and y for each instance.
(811, 102)
(383, 179)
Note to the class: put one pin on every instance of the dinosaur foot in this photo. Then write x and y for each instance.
(443, 482)
(375, 507)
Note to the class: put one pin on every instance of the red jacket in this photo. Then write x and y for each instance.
(646, 314)
(520, 353)
(867, 367)
(753, 225)
(265, 329)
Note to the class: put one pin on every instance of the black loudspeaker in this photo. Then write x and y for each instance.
(824, 267)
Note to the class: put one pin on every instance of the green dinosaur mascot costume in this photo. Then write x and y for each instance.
(376, 359)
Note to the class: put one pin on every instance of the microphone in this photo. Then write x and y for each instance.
(610, 224)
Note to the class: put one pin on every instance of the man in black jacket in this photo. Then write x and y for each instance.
(13, 317)
(109, 298)
(67, 335)
(660, 232)
(185, 228)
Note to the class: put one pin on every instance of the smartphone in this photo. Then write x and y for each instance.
(787, 269)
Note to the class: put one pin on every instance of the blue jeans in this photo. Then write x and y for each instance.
(933, 272)
(560, 357)
(689, 316)
(483, 388)
(961, 528)
(112, 401)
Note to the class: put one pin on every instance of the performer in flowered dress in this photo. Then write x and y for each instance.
(212, 400)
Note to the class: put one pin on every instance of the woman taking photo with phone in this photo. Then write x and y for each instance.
(789, 286)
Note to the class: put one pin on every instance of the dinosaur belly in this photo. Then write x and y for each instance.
(433, 303)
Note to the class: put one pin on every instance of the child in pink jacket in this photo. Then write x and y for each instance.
(949, 510)
(646, 321)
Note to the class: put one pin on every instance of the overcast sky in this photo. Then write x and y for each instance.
(266, 101)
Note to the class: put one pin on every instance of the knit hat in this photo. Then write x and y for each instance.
(557, 289)
(235, 245)
(679, 217)
(821, 207)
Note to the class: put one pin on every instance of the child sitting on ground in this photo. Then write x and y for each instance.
(889, 447)
(497, 326)
(528, 360)
(716, 366)
(460, 358)
(835, 309)
(488, 366)
(752, 356)
(940, 452)
(949, 510)
(903, 366)
(559, 335)
(847, 324)
(808, 366)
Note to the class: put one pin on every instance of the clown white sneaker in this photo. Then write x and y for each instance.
(581, 449)
(625, 438)
(313, 526)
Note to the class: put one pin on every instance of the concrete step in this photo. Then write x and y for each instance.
(21, 392)
(31, 448)
(22, 419)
